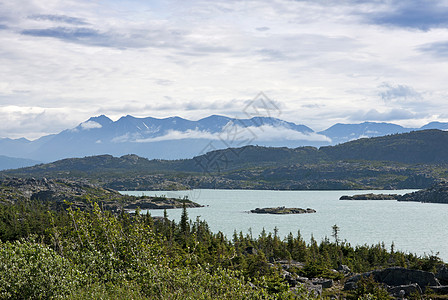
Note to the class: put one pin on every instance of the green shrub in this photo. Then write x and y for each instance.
(121, 291)
(198, 283)
(30, 270)
(368, 288)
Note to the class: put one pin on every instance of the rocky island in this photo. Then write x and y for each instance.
(161, 203)
(281, 210)
(371, 196)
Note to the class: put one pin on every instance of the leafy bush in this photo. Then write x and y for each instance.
(29, 270)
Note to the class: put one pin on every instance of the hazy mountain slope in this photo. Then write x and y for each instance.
(340, 133)
(7, 162)
(435, 125)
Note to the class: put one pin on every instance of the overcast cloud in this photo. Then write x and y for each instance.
(322, 62)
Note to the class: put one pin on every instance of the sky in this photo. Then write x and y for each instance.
(320, 62)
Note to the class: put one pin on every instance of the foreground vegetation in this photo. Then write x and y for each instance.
(95, 254)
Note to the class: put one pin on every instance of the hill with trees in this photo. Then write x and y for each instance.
(409, 160)
(425, 147)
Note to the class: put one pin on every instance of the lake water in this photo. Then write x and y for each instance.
(420, 228)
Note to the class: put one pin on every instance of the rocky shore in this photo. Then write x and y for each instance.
(281, 210)
(438, 193)
(59, 192)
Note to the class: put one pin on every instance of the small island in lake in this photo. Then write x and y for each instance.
(281, 210)
(371, 196)
(161, 203)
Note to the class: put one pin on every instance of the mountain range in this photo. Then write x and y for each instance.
(178, 138)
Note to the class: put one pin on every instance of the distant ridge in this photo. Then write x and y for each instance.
(15, 163)
(340, 133)
(178, 138)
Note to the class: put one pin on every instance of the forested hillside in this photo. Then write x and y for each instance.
(410, 160)
(426, 146)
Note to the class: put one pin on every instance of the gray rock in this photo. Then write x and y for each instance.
(397, 276)
(325, 283)
(441, 289)
(404, 290)
(400, 276)
(314, 289)
(302, 279)
(343, 269)
(442, 274)
(350, 285)
(286, 264)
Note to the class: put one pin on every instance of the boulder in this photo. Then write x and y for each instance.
(404, 290)
(325, 283)
(314, 289)
(343, 269)
(286, 264)
(302, 279)
(442, 274)
(350, 285)
(441, 289)
(396, 276)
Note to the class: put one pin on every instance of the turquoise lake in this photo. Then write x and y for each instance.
(420, 228)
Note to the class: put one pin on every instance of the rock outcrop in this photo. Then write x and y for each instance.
(395, 277)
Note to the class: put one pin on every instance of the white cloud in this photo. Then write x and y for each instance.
(180, 135)
(90, 125)
(233, 134)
